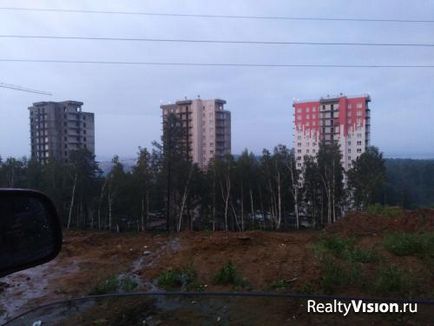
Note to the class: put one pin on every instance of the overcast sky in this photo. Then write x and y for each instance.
(126, 99)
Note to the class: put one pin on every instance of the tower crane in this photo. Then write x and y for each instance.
(23, 89)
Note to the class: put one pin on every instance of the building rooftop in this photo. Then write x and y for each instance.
(68, 102)
(332, 98)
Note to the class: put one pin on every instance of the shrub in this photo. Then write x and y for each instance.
(184, 278)
(363, 255)
(406, 244)
(228, 274)
(335, 245)
(335, 275)
(345, 249)
(109, 285)
(114, 284)
(391, 279)
(127, 284)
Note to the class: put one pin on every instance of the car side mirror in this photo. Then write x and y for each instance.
(30, 231)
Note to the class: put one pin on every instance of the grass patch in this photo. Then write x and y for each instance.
(344, 249)
(109, 285)
(228, 275)
(280, 285)
(306, 288)
(180, 278)
(113, 284)
(391, 279)
(386, 211)
(363, 255)
(335, 275)
(127, 284)
(408, 244)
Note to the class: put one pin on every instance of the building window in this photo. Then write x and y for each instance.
(359, 142)
(298, 150)
(359, 150)
(349, 143)
(349, 150)
(298, 144)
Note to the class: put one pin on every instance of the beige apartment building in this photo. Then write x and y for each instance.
(208, 127)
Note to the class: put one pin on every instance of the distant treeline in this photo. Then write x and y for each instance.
(240, 194)
(165, 189)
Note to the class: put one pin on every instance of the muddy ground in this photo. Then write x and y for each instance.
(262, 258)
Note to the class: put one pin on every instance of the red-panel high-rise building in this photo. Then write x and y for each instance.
(341, 119)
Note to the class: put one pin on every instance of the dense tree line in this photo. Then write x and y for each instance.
(165, 189)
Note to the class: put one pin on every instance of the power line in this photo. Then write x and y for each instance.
(162, 40)
(23, 89)
(209, 64)
(190, 15)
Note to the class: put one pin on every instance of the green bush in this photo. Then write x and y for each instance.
(110, 285)
(407, 244)
(127, 284)
(228, 274)
(391, 279)
(114, 284)
(345, 249)
(179, 278)
(335, 245)
(335, 275)
(363, 255)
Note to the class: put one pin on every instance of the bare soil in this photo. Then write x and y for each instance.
(262, 258)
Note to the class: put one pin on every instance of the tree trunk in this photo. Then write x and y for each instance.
(110, 202)
(279, 202)
(101, 196)
(242, 207)
(252, 210)
(71, 206)
(142, 215)
(147, 211)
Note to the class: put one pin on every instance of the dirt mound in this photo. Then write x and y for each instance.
(368, 224)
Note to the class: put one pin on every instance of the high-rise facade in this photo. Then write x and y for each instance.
(57, 128)
(341, 119)
(207, 125)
